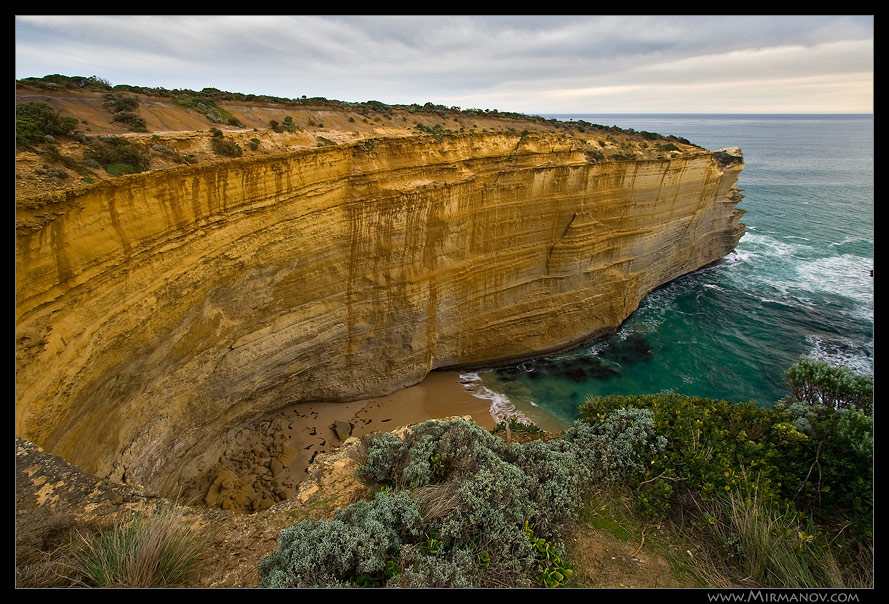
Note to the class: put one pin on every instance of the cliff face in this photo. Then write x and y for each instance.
(160, 310)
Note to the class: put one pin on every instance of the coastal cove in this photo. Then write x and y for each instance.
(247, 343)
(800, 281)
(162, 312)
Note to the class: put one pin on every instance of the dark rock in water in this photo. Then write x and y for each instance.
(575, 374)
(634, 347)
(505, 374)
(602, 370)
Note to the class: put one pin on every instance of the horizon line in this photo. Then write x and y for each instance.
(700, 113)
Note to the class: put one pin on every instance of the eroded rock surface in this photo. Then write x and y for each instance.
(157, 314)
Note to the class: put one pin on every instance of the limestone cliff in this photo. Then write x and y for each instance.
(157, 311)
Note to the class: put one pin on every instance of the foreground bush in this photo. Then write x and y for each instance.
(461, 508)
(757, 479)
(817, 382)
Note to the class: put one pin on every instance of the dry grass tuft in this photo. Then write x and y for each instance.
(46, 546)
(150, 551)
(437, 500)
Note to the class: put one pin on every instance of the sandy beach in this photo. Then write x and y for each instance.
(272, 457)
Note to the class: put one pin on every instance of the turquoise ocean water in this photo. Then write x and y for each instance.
(799, 283)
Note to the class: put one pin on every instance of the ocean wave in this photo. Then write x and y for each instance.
(842, 352)
(847, 276)
(848, 240)
(756, 244)
(502, 408)
(781, 271)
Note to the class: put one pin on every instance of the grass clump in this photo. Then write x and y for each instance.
(770, 545)
(149, 551)
(46, 546)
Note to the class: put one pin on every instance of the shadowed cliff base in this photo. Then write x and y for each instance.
(159, 313)
(266, 461)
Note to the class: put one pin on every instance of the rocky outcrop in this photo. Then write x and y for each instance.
(158, 312)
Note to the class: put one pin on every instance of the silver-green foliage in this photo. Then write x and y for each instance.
(469, 489)
(319, 553)
(457, 568)
(617, 445)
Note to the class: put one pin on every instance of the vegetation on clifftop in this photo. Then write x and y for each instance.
(35, 121)
(459, 507)
(169, 116)
(206, 102)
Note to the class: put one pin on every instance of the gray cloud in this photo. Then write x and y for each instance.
(517, 63)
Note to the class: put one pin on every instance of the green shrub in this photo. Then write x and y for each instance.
(833, 471)
(359, 540)
(117, 155)
(225, 146)
(134, 121)
(204, 102)
(797, 458)
(116, 103)
(713, 446)
(554, 571)
(516, 425)
(56, 80)
(456, 568)
(436, 131)
(474, 495)
(820, 383)
(617, 444)
(36, 120)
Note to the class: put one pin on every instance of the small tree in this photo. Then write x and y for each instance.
(820, 383)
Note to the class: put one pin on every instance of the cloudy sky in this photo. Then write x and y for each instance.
(530, 64)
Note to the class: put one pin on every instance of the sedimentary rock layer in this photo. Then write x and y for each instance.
(156, 313)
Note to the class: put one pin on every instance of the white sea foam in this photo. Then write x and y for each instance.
(794, 273)
(841, 351)
(757, 244)
(846, 275)
(501, 407)
(847, 240)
